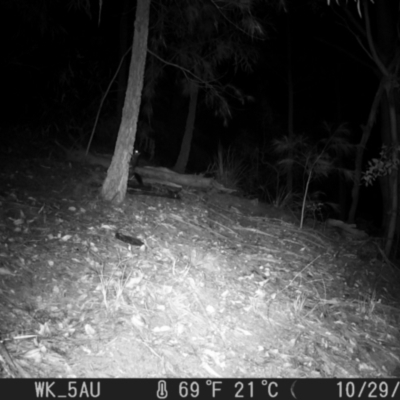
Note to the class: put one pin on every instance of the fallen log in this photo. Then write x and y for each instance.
(150, 175)
(162, 175)
(351, 228)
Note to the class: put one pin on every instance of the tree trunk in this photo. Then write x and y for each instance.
(342, 181)
(387, 18)
(289, 176)
(384, 181)
(123, 47)
(393, 177)
(115, 184)
(355, 192)
(183, 157)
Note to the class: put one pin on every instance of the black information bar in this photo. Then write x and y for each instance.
(198, 389)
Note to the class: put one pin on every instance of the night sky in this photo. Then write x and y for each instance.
(57, 62)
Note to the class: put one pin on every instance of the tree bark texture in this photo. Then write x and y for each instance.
(115, 184)
(183, 157)
(124, 41)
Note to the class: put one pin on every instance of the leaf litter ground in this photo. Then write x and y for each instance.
(222, 287)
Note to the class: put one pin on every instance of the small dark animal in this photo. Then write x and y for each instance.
(134, 164)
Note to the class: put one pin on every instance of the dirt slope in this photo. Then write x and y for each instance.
(221, 287)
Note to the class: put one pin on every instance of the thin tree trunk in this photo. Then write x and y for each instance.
(384, 181)
(386, 12)
(355, 192)
(123, 47)
(289, 177)
(393, 177)
(115, 184)
(341, 179)
(183, 157)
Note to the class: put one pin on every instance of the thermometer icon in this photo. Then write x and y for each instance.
(162, 392)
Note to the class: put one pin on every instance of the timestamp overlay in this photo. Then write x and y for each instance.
(307, 389)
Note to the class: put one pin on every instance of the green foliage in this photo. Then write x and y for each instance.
(389, 160)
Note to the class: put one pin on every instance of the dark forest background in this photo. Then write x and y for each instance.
(308, 75)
